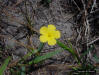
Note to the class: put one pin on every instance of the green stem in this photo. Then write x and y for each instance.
(74, 53)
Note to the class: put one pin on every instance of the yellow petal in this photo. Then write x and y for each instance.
(43, 30)
(51, 41)
(57, 34)
(43, 38)
(51, 27)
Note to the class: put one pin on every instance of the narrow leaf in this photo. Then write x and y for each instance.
(96, 58)
(23, 70)
(40, 47)
(28, 55)
(64, 46)
(85, 53)
(49, 1)
(4, 66)
(44, 57)
(69, 50)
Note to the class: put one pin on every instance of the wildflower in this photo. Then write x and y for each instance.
(49, 34)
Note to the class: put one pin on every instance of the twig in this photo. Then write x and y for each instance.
(65, 66)
(93, 41)
(77, 5)
(94, 5)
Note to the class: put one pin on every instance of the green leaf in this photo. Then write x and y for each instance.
(0, 48)
(70, 50)
(70, 44)
(28, 55)
(23, 70)
(32, 52)
(96, 58)
(44, 57)
(40, 47)
(4, 66)
(87, 51)
(65, 47)
(49, 1)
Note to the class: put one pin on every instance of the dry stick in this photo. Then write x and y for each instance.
(88, 5)
(64, 66)
(93, 41)
(77, 5)
(61, 66)
(30, 42)
(88, 31)
(94, 4)
(78, 38)
(87, 25)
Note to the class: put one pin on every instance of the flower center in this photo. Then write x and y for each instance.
(49, 35)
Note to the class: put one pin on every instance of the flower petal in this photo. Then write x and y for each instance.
(51, 41)
(43, 38)
(57, 34)
(43, 30)
(51, 27)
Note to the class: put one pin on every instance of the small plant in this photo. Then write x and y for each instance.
(51, 35)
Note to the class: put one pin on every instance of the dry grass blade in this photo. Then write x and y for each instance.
(61, 66)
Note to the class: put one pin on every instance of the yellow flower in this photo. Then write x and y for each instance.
(49, 34)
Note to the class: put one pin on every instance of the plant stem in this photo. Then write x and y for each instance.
(74, 53)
